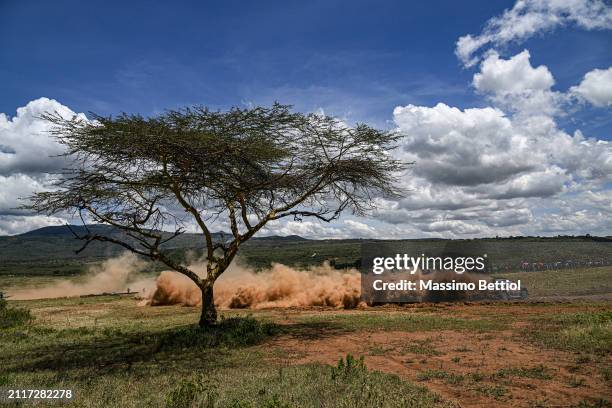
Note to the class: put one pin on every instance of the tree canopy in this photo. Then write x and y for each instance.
(245, 167)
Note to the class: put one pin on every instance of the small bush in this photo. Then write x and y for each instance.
(197, 390)
(13, 317)
(232, 332)
(349, 367)
(601, 403)
(476, 377)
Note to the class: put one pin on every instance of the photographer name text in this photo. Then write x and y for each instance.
(425, 284)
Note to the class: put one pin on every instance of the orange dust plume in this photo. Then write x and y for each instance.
(280, 286)
(113, 275)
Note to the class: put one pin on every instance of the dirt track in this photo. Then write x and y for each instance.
(468, 363)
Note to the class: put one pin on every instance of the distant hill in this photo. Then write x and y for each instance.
(65, 230)
(70, 230)
(58, 243)
(51, 250)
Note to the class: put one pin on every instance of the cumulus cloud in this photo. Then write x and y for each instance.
(17, 224)
(28, 157)
(530, 17)
(515, 85)
(479, 171)
(347, 228)
(511, 76)
(504, 169)
(596, 87)
(17, 186)
(26, 146)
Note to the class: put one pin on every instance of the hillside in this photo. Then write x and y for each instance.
(51, 250)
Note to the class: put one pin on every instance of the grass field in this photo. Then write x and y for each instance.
(565, 282)
(553, 350)
(112, 352)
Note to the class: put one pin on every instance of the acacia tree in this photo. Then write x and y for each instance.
(244, 167)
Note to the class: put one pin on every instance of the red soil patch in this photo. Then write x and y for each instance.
(471, 361)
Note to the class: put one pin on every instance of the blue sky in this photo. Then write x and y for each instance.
(504, 106)
(356, 59)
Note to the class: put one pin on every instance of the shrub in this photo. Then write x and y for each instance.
(232, 332)
(349, 367)
(194, 391)
(11, 316)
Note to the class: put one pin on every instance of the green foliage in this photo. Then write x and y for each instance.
(601, 403)
(409, 322)
(495, 391)
(348, 367)
(423, 347)
(449, 378)
(13, 317)
(476, 376)
(589, 332)
(197, 390)
(349, 384)
(230, 332)
(539, 372)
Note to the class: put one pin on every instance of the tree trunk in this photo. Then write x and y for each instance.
(209, 312)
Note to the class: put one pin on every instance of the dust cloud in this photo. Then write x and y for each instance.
(279, 286)
(238, 287)
(113, 275)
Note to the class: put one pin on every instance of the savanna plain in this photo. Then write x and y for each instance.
(554, 349)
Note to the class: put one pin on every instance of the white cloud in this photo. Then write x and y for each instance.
(529, 17)
(511, 76)
(347, 228)
(28, 154)
(596, 87)
(17, 224)
(306, 228)
(515, 85)
(26, 146)
(480, 171)
(483, 146)
(17, 186)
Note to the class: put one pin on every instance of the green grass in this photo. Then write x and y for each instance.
(112, 353)
(13, 316)
(539, 372)
(402, 322)
(312, 385)
(449, 378)
(565, 282)
(588, 332)
(575, 382)
(422, 347)
(497, 392)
